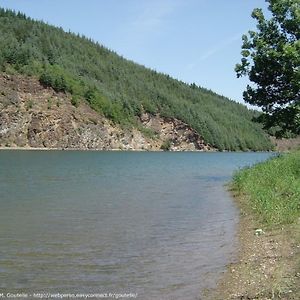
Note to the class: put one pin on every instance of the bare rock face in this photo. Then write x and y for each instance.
(34, 117)
(180, 136)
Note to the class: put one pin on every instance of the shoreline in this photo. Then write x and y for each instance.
(124, 150)
(78, 149)
(266, 265)
(97, 150)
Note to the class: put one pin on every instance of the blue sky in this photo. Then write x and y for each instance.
(192, 40)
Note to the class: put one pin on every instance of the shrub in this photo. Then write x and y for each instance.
(166, 145)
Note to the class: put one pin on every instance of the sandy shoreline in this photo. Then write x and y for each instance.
(267, 265)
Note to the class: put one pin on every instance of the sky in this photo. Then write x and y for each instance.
(196, 41)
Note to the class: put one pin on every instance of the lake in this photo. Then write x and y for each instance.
(160, 225)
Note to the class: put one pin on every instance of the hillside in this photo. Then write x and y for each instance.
(123, 92)
(32, 116)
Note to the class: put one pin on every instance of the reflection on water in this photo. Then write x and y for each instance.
(157, 224)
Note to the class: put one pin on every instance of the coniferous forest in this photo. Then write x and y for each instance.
(120, 89)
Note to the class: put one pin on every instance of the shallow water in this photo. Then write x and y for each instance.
(161, 225)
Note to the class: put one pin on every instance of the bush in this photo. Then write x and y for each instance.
(75, 100)
(166, 145)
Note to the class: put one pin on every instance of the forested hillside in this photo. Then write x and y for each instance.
(120, 89)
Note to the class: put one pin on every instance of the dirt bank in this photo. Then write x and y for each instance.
(268, 262)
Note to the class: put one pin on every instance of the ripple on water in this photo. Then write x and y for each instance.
(157, 224)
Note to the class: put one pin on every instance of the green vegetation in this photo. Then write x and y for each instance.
(276, 44)
(120, 89)
(29, 104)
(166, 145)
(148, 132)
(272, 189)
(75, 100)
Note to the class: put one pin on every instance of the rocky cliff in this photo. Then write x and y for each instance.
(32, 116)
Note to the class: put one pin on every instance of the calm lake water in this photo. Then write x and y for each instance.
(161, 225)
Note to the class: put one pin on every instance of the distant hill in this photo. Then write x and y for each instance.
(118, 89)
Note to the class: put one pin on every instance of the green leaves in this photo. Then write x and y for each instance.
(271, 60)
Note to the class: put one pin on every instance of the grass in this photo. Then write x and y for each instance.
(268, 267)
(272, 189)
(147, 132)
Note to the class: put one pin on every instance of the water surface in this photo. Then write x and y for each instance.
(161, 225)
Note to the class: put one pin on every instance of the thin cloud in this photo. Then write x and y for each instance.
(154, 14)
(148, 23)
(214, 50)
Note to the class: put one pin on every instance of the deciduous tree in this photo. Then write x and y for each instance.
(271, 60)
